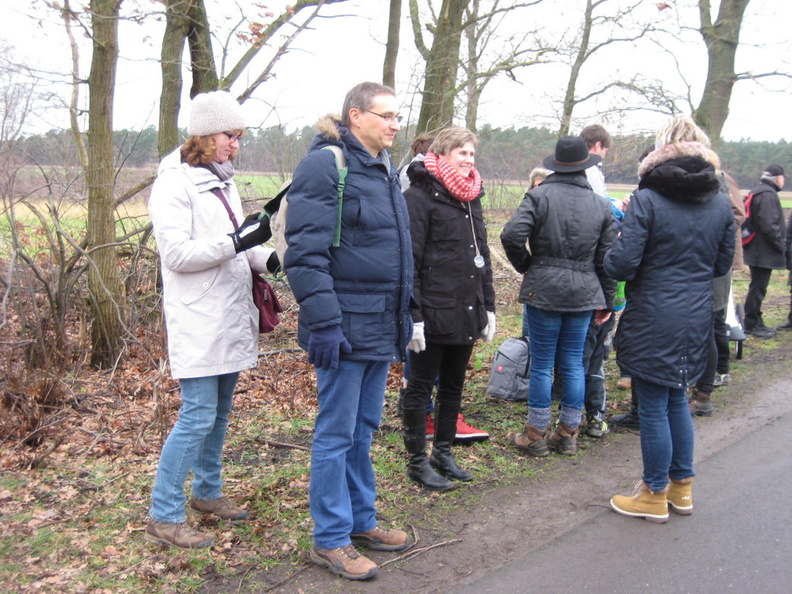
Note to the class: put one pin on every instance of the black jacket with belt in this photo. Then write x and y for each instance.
(569, 228)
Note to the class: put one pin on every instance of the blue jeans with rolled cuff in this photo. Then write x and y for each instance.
(194, 444)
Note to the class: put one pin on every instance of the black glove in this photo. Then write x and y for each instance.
(274, 263)
(251, 233)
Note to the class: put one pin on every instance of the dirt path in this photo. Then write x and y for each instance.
(501, 520)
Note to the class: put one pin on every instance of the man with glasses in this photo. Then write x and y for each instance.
(354, 294)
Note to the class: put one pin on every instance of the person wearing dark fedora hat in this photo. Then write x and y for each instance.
(569, 228)
(571, 155)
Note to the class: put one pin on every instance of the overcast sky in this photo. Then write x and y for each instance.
(348, 48)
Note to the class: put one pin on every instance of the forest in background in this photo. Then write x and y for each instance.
(503, 154)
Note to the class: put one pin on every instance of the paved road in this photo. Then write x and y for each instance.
(739, 538)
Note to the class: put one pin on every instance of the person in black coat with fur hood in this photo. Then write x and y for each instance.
(677, 235)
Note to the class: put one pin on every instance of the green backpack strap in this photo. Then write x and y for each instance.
(342, 174)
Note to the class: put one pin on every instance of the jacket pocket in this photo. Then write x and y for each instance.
(366, 323)
(194, 285)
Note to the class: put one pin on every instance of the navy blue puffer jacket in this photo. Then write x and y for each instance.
(365, 284)
(677, 235)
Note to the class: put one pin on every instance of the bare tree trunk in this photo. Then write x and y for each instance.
(437, 107)
(184, 19)
(722, 38)
(104, 282)
(176, 27)
(202, 61)
(574, 73)
(392, 45)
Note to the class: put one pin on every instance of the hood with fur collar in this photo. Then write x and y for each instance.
(680, 172)
(328, 126)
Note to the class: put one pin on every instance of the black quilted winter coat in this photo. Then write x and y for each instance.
(569, 228)
(678, 233)
(452, 295)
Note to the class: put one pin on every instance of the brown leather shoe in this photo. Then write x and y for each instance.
(564, 440)
(222, 508)
(379, 539)
(531, 441)
(345, 561)
(179, 535)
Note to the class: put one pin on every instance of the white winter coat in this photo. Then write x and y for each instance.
(210, 317)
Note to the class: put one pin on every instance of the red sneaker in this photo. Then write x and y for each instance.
(429, 427)
(465, 432)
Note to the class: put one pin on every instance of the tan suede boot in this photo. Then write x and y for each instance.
(645, 503)
(564, 440)
(532, 440)
(680, 496)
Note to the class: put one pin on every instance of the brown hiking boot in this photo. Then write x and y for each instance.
(645, 503)
(179, 535)
(701, 405)
(222, 508)
(680, 496)
(345, 561)
(564, 440)
(532, 440)
(378, 539)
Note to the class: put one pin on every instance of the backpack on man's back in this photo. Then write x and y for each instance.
(277, 208)
(747, 227)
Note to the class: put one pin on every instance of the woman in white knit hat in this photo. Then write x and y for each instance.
(207, 260)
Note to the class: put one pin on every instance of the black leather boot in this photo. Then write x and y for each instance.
(445, 430)
(629, 420)
(419, 468)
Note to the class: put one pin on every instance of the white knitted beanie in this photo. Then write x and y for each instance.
(215, 112)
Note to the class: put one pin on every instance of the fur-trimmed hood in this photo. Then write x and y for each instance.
(680, 172)
(328, 126)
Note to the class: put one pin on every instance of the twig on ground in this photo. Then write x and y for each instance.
(416, 552)
(281, 444)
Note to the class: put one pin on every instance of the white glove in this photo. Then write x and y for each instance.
(489, 330)
(418, 341)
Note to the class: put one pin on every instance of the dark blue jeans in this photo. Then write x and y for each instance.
(666, 433)
(557, 336)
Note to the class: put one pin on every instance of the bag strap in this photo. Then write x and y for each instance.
(342, 174)
(219, 193)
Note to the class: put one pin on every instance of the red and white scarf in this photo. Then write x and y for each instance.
(460, 187)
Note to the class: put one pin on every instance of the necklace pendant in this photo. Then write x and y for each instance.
(479, 261)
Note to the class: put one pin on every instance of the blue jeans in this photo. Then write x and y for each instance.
(195, 443)
(342, 489)
(666, 433)
(557, 336)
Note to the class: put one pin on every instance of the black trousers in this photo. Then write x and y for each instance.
(449, 362)
(760, 278)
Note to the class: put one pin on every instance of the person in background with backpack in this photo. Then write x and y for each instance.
(212, 322)
(766, 250)
(453, 294)
(354, 318)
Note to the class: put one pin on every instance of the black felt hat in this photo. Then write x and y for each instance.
(571, 154)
